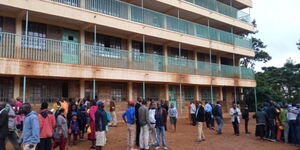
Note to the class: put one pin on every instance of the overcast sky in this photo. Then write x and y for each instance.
(278, 22)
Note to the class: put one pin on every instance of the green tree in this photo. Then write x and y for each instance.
(259, 48)
(298, 45)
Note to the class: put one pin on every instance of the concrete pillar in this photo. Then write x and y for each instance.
(18, 36)
(165, 53)
(17, 82)
(197, 96)
(221, 93)
(130, 91)
(82, 88)
(82, 42)
(166, 91)
(129, 47)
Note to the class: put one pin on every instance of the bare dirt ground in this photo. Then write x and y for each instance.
(184, 139)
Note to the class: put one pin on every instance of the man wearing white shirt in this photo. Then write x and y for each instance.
(192, 112)
(235, 119)
(152, 124)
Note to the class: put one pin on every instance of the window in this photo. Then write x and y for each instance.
(108, 46)
(36, 35)
(189, 93)
(206, 94)
(45, 90)
(6, 89)
(137, 51)
(116, 93)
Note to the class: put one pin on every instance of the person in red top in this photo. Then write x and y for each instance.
(47, 125)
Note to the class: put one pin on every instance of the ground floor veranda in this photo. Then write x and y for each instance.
(36, 90)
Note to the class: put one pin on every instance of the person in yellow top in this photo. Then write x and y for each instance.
(64, 104)
(56, 106)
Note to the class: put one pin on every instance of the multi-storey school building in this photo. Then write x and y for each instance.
(175, 50)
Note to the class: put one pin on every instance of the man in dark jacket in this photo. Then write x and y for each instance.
(164, 105)
(245, 116)
(101, 123)
(218, 114)
(3, 125)
(271, 116)
(200, 118)
(138, 127)
(160, 117)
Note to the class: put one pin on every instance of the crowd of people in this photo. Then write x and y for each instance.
(278, 122)
(68, 121)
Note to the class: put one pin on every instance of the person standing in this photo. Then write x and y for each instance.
(271, 116)
(292, 116)
(3, 125)
(12, 135)
(64, 104)
(200, 118)
(19, 116)
(173, 117)
(31, 130)
(235, 119)
(245, 116)
(61, 130)
(46, 124)
(83, 118)
(100, 125)
(129, 118)
(208, 113)
(192, 112)
(138, 127)
(144, 123)
(73, 123)
(284, 121)
(218, 114)
(212, 118)
(164, 104)
(92, 134)
(152, 120)
(112, 109)
(260, 117)
(160, 117)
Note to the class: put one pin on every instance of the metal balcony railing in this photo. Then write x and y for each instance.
(223, 9)
(146, 16)
(43, 49)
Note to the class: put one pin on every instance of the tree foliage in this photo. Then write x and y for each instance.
(277, 84)
(298, 45)
(259, 48)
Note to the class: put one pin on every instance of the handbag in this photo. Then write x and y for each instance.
(88, 131)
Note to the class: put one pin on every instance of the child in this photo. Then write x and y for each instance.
(173, 117)
(74, 127)
(83, 119)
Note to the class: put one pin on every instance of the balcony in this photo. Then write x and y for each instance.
(142, 15)
(223, 9)
(43, 49)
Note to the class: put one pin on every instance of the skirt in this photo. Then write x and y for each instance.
(260, 130)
